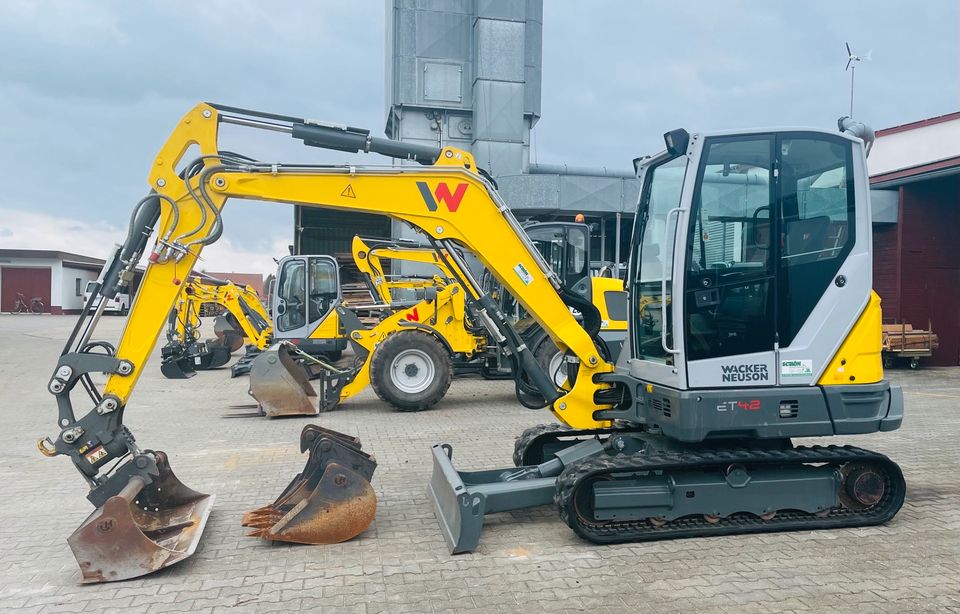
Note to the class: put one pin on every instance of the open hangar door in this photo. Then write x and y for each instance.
(29, 281)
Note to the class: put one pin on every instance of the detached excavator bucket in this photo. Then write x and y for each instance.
(280, 385)
(175, 363)
(213, 355)
(142, 529)
(329, 501)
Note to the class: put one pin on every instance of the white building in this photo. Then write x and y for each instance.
(56, 278)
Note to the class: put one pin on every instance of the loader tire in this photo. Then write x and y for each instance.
(411, 370)
(550, 358)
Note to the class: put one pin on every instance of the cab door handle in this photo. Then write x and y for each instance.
(663, 278)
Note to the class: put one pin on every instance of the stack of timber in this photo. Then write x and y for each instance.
(905, 338)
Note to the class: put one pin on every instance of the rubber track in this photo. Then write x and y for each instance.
(574, 476)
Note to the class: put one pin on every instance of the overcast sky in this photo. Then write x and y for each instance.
(90, 90)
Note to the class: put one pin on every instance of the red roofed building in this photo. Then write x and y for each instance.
(915, 176)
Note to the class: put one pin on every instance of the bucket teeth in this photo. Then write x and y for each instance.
(150, 524)
(330, 501)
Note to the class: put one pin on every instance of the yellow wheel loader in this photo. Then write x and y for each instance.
(752, 323)
(407, 357)
(245, 316)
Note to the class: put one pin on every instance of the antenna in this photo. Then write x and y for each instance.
(852, 61)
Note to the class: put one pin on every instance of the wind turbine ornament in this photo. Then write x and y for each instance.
(852, 61)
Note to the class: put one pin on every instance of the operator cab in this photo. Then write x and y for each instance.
(749, 248)
(306, 292)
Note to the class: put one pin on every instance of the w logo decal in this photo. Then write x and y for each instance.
(442, 194)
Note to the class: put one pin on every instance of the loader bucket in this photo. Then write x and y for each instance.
(142, 529)
(329, 501)
(280, 384)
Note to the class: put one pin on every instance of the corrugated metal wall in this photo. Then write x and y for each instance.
(323, 231)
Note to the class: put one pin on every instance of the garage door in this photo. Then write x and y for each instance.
(28, 281)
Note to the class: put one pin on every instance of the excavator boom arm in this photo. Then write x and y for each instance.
(448, 199)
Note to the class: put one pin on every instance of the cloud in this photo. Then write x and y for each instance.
(27, 230)
(89, 91)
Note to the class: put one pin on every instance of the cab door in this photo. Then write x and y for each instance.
(656, 353)
(727, 275)
(306, 292)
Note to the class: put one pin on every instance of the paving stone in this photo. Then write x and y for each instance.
(527, 561)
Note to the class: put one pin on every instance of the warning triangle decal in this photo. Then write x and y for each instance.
(348, 192)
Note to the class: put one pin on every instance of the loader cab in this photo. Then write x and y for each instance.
(305, 296)
(750, 261)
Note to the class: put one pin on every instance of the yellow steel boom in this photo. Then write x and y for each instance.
(448, 201)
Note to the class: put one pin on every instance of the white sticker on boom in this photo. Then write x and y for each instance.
(796, 368)
(523, 274)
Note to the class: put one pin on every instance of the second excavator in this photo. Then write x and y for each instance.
(244, 317)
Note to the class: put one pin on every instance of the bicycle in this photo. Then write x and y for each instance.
(20, 305)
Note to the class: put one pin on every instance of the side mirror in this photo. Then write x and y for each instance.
(430, 293)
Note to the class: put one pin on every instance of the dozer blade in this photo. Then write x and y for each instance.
(329, 501)
(280, 384)
(142, 529)
(462, 498)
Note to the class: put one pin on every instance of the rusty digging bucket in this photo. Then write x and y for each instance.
(329, 502)
(143, 528)
(280, 385)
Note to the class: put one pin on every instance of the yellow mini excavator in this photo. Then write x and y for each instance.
(245, 316)
(751, 323)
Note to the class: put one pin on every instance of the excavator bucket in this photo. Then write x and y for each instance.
(213, 354)
(227, 334)
(143, 528)
(329, 501)
(280, 385)
(175, 363)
